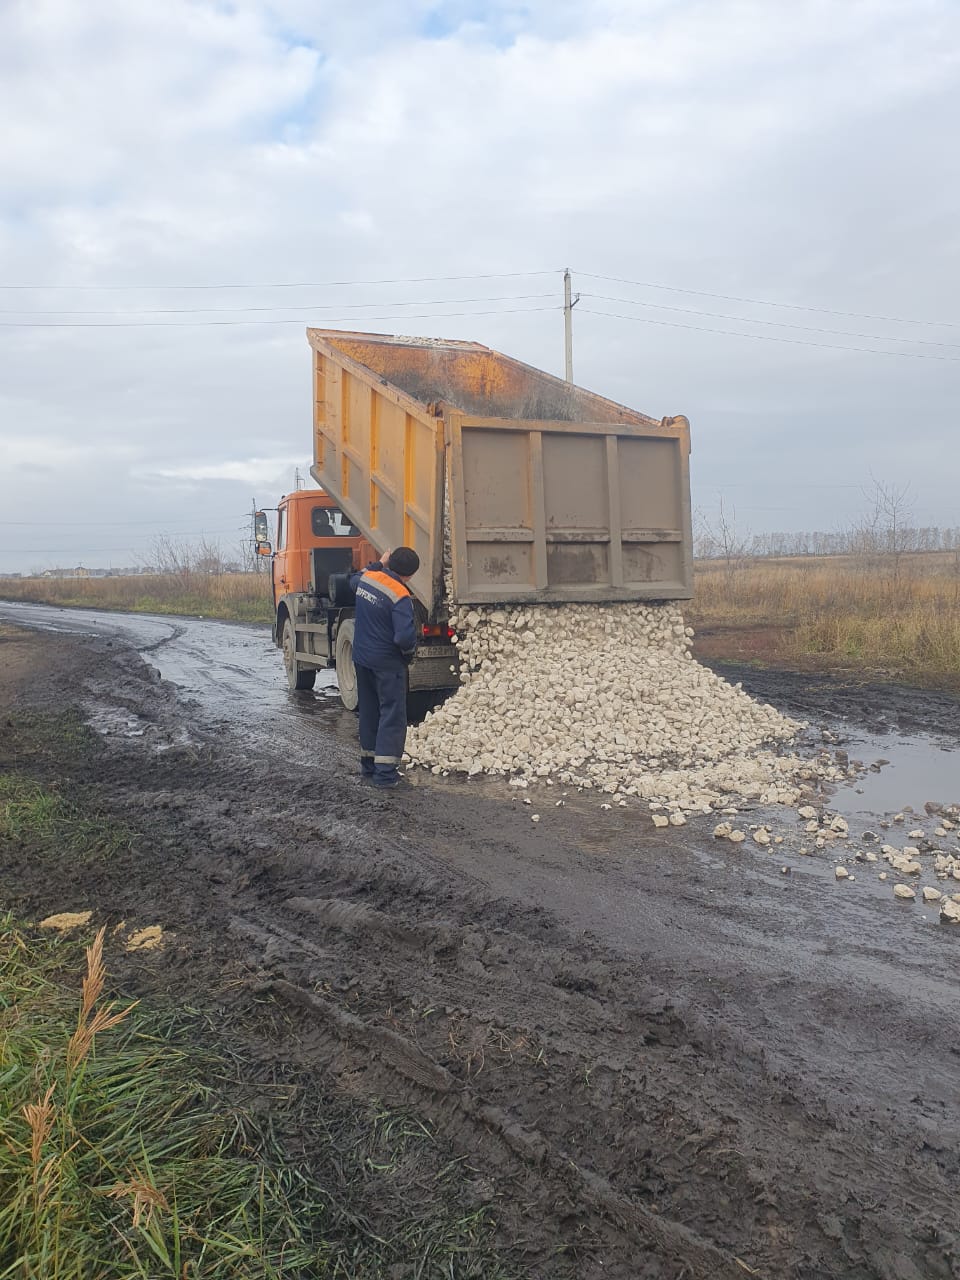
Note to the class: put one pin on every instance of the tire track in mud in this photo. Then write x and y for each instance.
(736, 1175)
(399, 1054)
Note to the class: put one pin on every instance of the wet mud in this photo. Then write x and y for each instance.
(661, 1058)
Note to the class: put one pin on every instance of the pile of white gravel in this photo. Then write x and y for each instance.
(606, 697)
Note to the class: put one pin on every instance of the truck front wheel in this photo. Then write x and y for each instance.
(298, 676)
(346, 671)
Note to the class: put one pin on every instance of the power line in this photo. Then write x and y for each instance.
(318, 306)
(779, 324)
(96, 524)
(766, 302)
(284, 284)
(206, 324)
(769, 337)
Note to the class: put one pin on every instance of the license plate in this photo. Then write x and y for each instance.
(445, 652)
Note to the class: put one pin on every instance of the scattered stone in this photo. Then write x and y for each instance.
(950, 911)
(660, 821)
(916, 835)
(904, 891)
(738, 837)
(147, 939)
(761, 836)
(64, 921)
(722, 830)
(882, 876)
(841, 873)
(784, 871)
(806, 811)
(677, 819)
(931, 895)
(535, 817)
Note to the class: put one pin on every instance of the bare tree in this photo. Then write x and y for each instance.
(725, 541)
(892, 516)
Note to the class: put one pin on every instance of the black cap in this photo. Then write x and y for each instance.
(404, 561)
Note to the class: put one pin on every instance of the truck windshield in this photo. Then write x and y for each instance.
(330, 522)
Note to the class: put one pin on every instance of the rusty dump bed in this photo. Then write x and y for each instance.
(553, 493)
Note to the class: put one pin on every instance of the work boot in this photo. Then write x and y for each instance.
(385, 779)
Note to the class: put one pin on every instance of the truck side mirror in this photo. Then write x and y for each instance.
(264, 549)
(261, 534)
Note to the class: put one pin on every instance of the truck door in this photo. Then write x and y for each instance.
(279, 564)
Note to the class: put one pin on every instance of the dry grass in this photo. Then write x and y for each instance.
(900, 621)
(237, 597)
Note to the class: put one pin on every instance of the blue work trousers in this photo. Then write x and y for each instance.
(383, 721)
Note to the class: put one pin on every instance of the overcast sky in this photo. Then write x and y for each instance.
(796, 152)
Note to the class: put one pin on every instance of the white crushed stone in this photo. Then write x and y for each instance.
(608, 697)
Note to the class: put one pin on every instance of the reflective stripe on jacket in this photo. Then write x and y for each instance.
(385, 630)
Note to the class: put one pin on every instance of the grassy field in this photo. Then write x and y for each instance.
(896, 621)
(237, 597)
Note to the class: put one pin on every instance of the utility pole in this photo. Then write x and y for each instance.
(569, 302)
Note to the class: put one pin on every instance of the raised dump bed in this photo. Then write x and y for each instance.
(552, 493)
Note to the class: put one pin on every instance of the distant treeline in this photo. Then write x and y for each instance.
(897, 540)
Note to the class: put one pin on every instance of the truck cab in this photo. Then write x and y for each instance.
(316, 547)
(314, 540)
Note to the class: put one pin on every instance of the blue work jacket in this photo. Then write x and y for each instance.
(385, 630)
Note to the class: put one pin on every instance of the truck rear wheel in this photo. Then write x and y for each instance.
(346, 671)
(298, 676)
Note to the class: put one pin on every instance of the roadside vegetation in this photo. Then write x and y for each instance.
(889, 617)
(139, 1142)
(114, 1159)
(235, 597)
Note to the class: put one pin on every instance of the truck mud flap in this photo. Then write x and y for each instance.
(432, 670)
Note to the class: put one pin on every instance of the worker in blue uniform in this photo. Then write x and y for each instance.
(384, 644)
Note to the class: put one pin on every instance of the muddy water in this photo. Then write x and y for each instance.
(906, 773)
(232, 670)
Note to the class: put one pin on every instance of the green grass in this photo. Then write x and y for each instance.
(37, 815)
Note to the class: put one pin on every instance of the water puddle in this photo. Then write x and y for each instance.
(917, 769)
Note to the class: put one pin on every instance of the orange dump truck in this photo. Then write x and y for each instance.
(510, 484)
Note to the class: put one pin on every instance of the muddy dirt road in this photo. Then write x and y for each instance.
(661, 1055)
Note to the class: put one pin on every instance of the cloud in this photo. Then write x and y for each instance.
(792, 152)
(261, 472)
